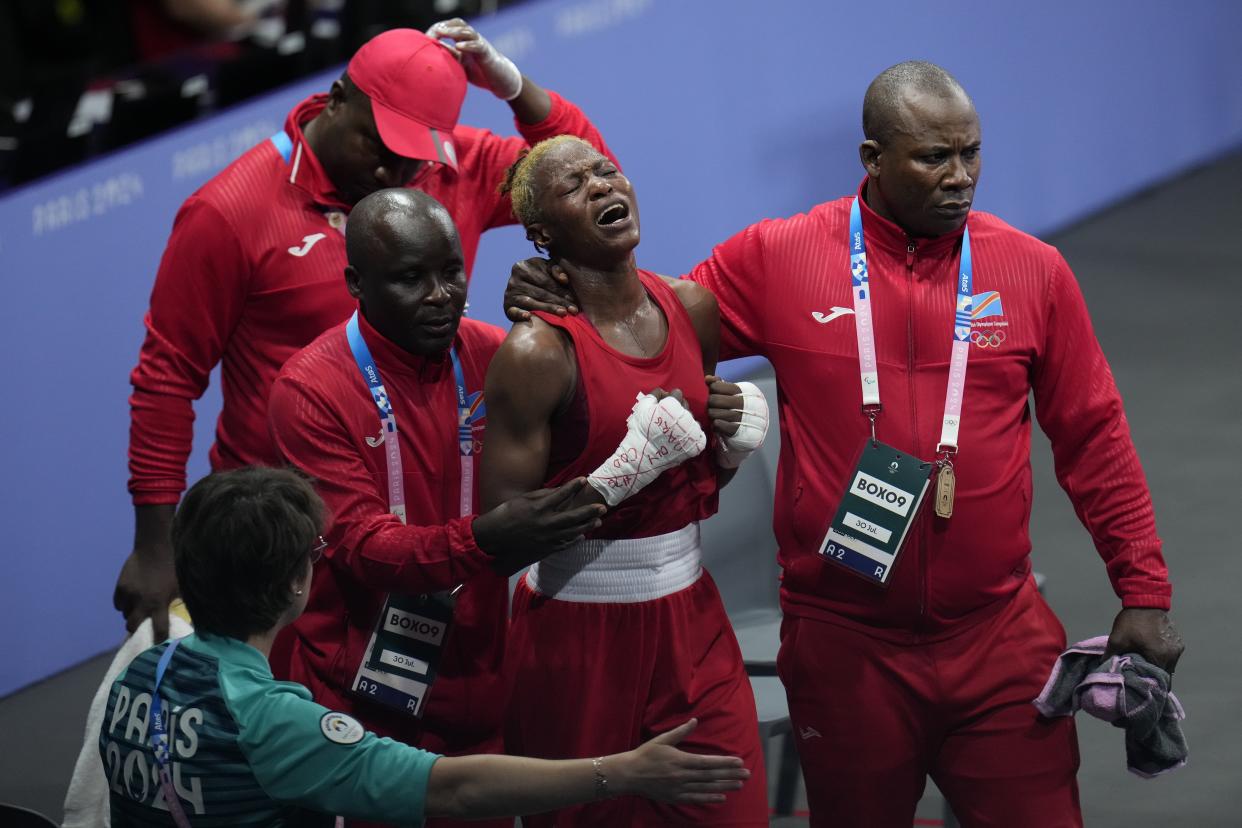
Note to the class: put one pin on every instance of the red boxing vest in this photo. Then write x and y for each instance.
(608, 382)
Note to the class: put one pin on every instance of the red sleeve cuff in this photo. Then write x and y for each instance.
(1140, 577)
(1146, 601)
(562, 118)
(156, 497)
(469, 557)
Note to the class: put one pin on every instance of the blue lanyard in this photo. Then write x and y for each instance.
(388, 422)
(159, 739)
(865, 329)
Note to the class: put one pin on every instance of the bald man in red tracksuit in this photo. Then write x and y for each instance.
(323, 422)
(934, 674)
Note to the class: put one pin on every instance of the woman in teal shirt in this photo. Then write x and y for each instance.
(197, 732)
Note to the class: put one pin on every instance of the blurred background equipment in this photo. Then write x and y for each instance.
(82, 77)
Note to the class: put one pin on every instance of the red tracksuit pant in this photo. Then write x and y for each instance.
(592, 679)
(873, 719)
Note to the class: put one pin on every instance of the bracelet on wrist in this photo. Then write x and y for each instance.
(601, 781)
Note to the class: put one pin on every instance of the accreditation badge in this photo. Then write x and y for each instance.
(401, 662)
(877, 508)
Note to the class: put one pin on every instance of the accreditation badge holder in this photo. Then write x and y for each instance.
(402, 660)
(877, 508)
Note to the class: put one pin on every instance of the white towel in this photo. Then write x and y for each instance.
(86, 803)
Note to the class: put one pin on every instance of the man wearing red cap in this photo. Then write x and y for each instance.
(252, 270)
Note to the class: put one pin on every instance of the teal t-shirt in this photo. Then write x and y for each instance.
(247, 750)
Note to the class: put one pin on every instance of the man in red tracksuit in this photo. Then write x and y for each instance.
(934, 673)
(407, 274)
(252, 270)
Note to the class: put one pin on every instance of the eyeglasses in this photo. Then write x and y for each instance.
(317, 550)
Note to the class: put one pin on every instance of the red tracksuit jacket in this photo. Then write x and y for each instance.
(1033, 335)
(321, 414)
(253, 271)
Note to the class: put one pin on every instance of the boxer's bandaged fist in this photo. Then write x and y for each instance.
(660, 434)
(752, 428)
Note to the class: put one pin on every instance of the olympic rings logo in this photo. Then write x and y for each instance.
(986, 340)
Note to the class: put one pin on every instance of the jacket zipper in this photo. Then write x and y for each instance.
(911, 250)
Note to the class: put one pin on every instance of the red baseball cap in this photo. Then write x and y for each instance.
(416, 87)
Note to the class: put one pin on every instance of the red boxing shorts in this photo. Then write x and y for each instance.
(874, 718)
(589, 679)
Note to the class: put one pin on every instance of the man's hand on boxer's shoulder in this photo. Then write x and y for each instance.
(1148, 632)
(724, 405)
(536, 284)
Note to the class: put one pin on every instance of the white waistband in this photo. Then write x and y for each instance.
(621, 571)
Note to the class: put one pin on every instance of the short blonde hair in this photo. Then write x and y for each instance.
(519, 179)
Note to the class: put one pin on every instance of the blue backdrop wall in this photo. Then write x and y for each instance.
(721, 112)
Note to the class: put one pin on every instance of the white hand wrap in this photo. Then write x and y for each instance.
(485, 65)
(731, 450)
(660, 434)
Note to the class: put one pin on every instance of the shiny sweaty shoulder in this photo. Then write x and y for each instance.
(535, 360)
